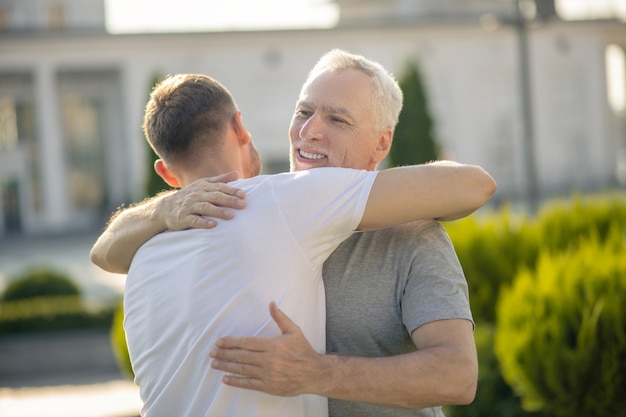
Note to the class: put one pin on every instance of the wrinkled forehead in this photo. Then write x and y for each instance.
(339, 80)
(339, 91)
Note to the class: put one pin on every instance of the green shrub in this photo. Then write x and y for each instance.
(561, 330)
(118, 342)
(40, 282)
(39, 314)
(562, 223)
(46, 300)
(493, 247)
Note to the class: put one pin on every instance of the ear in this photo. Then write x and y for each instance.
(382, 146)
(242, 134)
(165, 173)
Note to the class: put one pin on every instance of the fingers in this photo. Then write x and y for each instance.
(234, 362)
(285, 324)
(217, 194)
(220, 198)
(251, 343)
(245, 383)
(227, 177)
(231, 353)
(219, 183)
(200, 204)
(243, 371)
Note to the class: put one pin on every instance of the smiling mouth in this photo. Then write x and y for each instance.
(309, 155)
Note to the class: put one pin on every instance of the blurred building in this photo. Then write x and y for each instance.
(72, 95)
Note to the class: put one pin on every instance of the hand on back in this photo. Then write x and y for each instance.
(198, 204)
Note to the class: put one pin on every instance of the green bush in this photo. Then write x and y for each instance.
(562, 223)
(43, 299)
(493, 247)
(561, 330)
(40, 314)
(40, 282)
(118, 342)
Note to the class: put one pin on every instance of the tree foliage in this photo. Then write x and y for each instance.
(413, 141)
(561, 337)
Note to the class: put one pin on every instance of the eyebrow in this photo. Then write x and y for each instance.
(328, 109)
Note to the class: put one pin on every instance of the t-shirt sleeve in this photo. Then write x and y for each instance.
(436, 288)
(324, 205)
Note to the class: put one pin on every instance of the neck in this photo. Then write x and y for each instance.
(207, 171)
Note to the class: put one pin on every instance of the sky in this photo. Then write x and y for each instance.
(129, 16)
(578, 9)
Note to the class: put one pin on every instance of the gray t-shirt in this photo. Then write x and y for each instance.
(380, 286)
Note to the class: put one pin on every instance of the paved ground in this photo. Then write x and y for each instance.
(72, 374)
(65, 374)
(115, 398)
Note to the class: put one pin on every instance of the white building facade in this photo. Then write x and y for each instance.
(72, 98)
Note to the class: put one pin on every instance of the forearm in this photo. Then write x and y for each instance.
(195, 206)
(127, 230)
(455, 216)
(441, 190)
(479, 189)
(428, 378)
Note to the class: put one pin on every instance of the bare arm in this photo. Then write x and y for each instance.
(442, 190)
(287, 365)
(130, 228)
(414, 380)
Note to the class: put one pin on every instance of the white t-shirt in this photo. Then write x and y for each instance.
(187, 288)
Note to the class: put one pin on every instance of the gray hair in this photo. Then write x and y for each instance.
(387, 99)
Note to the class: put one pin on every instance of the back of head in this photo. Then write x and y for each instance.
(387, 100)
(186, 113)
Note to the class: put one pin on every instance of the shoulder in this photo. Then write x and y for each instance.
(409, 239)
(397, 239)
(326, 178)
(328, 172)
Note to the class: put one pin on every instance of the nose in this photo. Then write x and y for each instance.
(311, 129)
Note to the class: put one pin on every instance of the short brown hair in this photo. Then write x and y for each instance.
(185, 113)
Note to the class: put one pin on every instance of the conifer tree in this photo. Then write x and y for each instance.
(413, 141)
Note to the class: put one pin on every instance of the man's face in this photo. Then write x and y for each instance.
(333, 124)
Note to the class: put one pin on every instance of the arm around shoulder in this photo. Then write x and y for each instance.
(188, 207)
(442, 190)
(126, 231)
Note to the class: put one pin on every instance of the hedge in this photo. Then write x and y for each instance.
(118, 342)
(40, 282)
(44, 299)
(561, 330)
(494, 246)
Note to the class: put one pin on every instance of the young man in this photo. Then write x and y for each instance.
(388, 292)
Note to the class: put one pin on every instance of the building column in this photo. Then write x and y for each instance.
(49, 130)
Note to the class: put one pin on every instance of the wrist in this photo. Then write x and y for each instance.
(158, 211)
(326, 378)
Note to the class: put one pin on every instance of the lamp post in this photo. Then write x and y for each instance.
(528, 134)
